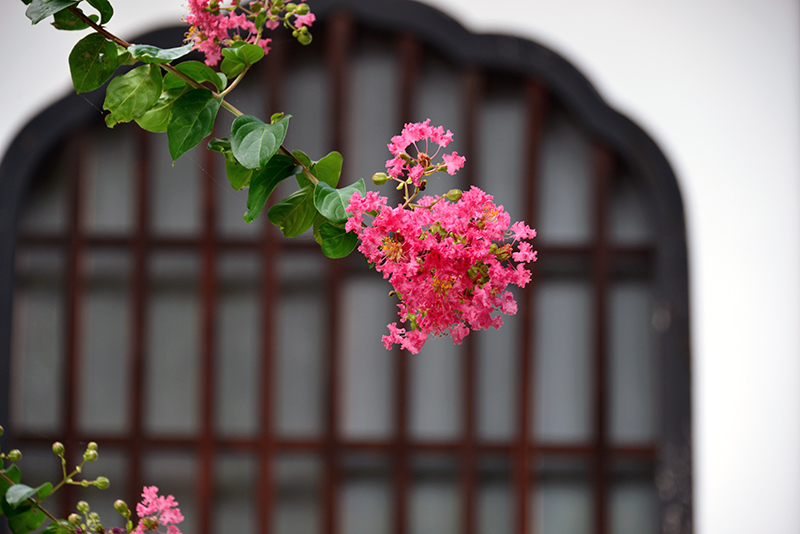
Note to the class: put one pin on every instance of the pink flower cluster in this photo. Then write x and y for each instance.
(211, 27)
(449, 261)
(155, 510)
(415, 168)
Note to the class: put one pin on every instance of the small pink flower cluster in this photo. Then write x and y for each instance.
(212, 22)
(414, 134)
(155, 510)
(449, 261)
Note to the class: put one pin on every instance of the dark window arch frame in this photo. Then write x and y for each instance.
(617, 140)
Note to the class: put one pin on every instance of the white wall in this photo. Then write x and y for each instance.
(717, 84)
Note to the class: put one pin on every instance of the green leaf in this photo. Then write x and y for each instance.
(193, 116)
(67, 20)
(238, 58)
(331, 203)
(156, 119)
(254, 142)
(153, 54)
(20, 493)
(14, 474)
(328, 169)
(238, 176)
(24, 519)
(104, 8)
(199, 72)
(263, 183)
(335, 241)
(38, 10)
(294, 214)
(132, 94)
(92, 61)
(60, 527)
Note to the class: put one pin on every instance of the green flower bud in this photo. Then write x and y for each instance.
(1, 431)
(82, 507)
(291, 6)
(454, 195)
(15, 455)
(58, 449)
(85, 483)
(275, 9)
(304, 38)
(121, 507)
(90, 456)
(92, 446)
(101, 483)
(303, 9)
(150, 523)
(74, 520)
(380, 178)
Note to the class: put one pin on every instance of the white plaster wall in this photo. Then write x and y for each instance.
(717, 84)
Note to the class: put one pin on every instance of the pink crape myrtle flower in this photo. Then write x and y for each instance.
(417, 164)
(216, 24)
(449, 261)
(155, 511)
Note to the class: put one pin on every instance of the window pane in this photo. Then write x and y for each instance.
(46, 208)
(441, 99)
(105, 339)
(562, 499)
(633, 363)
(634, 503)
(299, 492)
(308, 87)
(367, 368)
(366, 496)
(497, 379)
(562, 371)
(108, 180)
(173, 349)
(301, 330)
(566, 189)
(436, 393)
(235, 491)
(502, 136)
(38, 340)
(435, 496)
(629, 222)
(238, 335)
(374, 97)
(175, 190)
(495, 512)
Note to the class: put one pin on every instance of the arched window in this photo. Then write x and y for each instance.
(244, 373)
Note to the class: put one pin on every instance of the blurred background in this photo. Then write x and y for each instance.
(377, 440)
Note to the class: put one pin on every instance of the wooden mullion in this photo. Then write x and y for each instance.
(208, 305)
(536, 109)
(603, 167)
(341, 28)
(74, 292)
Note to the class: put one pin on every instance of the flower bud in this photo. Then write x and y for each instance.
(291, 6)
(121, 507)
(101, 483)
(90, 456)
(58, 449)
(379, 178)
(74, 520)
(302, 9)
(304, 38)
(454, 195)
(1, 431)
(82, 507)
(150, 523)
(15, 455)
(91, 446)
